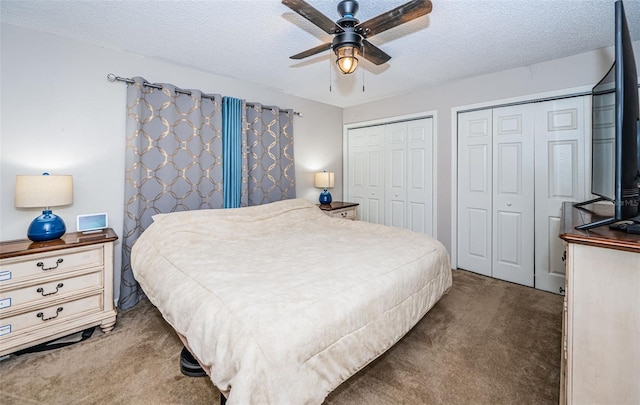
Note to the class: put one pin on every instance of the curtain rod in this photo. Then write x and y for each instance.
(112, 78)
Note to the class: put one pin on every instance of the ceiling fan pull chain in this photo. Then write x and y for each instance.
(330, 65)
(363, 57)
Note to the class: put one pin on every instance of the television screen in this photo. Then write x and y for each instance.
(615, 159)
(627, 115)
(604, 137)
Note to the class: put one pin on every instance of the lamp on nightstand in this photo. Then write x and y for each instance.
(324, 180)
(44, 192)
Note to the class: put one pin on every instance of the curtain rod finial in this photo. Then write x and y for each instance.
(111, 77)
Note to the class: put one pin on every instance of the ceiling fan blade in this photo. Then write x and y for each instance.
(307, 11)
(395, 17)
(374, 54)
(312, 51)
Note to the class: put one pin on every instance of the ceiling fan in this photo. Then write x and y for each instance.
(350, 36)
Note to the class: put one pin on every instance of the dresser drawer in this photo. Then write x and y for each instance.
(347, 213)
(41, 292)
(46, 264)
(49, 315)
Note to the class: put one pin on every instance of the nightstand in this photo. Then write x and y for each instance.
(53, 289)
(339, 209)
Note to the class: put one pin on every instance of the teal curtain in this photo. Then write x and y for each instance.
(232, 151)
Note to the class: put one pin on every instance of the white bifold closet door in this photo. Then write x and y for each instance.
(475, 191)
(516, 165)
(365, 161)
(390, 174)
(409, 175)
(495, 193)
(513, 184)
(562, 173)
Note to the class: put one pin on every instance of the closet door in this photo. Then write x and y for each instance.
(420, 175)
(508, 226)
(475, 151)
(395, 210)
(561, 128)
(365, 172)
(409, 175)
(390, 169)
(513, 194)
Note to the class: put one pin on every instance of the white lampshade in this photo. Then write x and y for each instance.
(324, 180)
(43, 191)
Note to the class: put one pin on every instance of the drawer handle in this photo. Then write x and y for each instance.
(344, 214)
(41, 315)
(41, 290)
(40, 264)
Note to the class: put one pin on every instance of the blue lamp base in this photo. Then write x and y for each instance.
(47, 226)
(325, 197)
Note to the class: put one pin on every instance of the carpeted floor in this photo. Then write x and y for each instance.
(485, 342)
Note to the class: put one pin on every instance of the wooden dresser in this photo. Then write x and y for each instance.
(339, 209)
(601, 324)
(52, 289)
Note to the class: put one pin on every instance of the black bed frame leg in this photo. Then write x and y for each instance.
(223, 399)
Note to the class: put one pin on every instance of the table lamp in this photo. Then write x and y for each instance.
(44, 192)
(324, 180)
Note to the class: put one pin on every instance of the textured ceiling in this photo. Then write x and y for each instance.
(252, 40)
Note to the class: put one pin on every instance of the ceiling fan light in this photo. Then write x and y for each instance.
(347, 60)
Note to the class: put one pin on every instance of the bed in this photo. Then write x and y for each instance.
(281, 303)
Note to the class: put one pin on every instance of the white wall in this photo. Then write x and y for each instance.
(571, 72)
(60, 114)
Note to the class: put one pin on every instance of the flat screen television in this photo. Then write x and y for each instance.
(615, 162)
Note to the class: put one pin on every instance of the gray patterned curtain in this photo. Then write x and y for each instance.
(173, 162)
(270, 165)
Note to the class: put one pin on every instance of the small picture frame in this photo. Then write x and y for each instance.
(92, 222)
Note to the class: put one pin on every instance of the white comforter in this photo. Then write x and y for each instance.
(283, 302)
